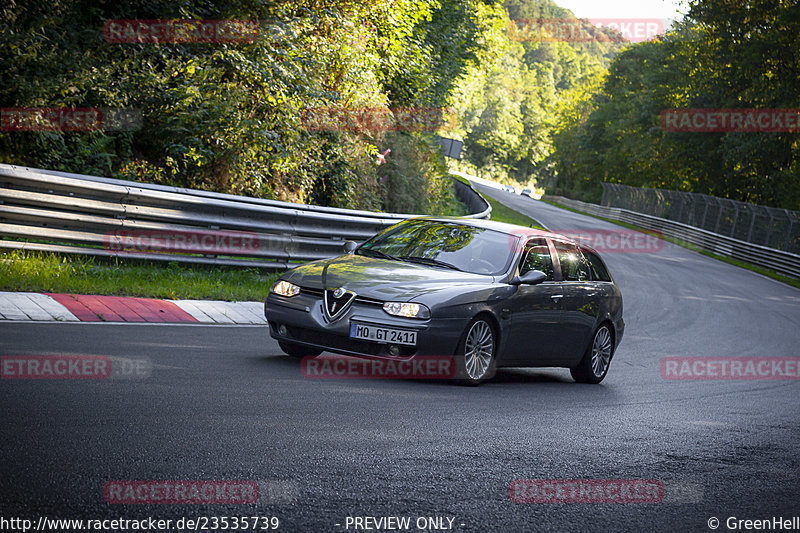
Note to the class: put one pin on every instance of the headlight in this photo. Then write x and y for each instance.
(284, 288)
(407, 310)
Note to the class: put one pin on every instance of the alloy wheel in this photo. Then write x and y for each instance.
(601, 351)
(478, 349)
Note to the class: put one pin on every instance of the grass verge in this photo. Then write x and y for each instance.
(503, 213)
(45, 272)
(754, 268)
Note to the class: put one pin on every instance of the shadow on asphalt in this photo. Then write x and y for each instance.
(528, 375)
(504, 376)
(277, 360)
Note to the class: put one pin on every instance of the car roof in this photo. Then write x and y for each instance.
(511, 229)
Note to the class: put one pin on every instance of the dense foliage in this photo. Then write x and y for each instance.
(564, 115)
(229, 116)
(722, 55)
(510, 104)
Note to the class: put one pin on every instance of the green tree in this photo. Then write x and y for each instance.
(230, 116)
(723, 55)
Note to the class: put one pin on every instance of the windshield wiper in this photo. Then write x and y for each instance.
(378, 253)
(429, 261)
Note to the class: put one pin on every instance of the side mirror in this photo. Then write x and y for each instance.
(350, 247)
(532, 277)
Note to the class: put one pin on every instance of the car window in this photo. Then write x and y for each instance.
(599, 270)
(443, 243)
(573, 265)
(537, 257)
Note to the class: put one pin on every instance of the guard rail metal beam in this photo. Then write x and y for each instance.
(785, 263)
(61, 212)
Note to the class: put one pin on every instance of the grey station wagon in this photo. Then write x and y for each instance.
(486, 293)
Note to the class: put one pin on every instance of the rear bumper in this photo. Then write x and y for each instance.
(619, 330)
(305, 324)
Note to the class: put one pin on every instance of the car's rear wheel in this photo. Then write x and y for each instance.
(594, 365)
(297, 350)
(475, 358)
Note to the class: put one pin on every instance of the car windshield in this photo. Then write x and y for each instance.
(444, 244)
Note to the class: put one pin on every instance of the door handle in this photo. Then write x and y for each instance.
(557, 297)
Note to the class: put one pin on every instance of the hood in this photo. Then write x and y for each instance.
(381, 279)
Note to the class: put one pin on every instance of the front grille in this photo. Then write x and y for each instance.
(311, 292)
(369, 301)
(317, 293)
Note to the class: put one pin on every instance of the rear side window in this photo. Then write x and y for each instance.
(573, 265)
(599, 270)
(537, 257)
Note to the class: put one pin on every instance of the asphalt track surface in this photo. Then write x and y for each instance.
(222, 403)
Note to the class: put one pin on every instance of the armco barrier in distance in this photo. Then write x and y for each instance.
(785, 263)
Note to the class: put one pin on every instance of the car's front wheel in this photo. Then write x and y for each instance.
(297, 350)
(594, 365)
(475, 358)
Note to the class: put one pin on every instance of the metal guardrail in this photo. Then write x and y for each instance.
(785, 263)
(474, 201)
(71, 213)
(768, 226)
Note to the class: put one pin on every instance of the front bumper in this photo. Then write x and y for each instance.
(306, 324)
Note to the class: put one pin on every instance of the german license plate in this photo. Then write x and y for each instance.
(379, 334)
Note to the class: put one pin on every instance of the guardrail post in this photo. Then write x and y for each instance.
(705, 212)
(769, 228)
(719, 218)
(750, 229)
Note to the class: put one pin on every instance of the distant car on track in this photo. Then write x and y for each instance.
(489, 294)
(527, 192)
(509, 188)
